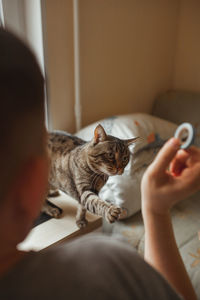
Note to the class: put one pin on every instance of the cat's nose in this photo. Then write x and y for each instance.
(119, 168)
(119, 171)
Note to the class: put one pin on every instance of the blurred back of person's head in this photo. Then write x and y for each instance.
(22, 127)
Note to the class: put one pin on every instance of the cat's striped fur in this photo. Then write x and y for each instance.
(81, 168)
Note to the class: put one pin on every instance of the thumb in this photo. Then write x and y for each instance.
(165, 155)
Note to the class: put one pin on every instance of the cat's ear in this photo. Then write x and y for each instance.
(131, 141)
(99, 135)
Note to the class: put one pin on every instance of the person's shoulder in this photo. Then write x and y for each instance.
(93, 246)
(93, 266)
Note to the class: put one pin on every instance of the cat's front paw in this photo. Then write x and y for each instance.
(81, 223)
(113, 213)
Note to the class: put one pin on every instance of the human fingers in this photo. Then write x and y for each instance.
(165, 155)
(189, 179)
(194, 152)
(179, 162)
(195, 176)
(184, 158)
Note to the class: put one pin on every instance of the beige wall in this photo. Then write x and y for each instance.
(127, 50)
(126, 56)
(130, 51)
(187, 62)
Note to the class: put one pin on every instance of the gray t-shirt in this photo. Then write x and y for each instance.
(91, 267)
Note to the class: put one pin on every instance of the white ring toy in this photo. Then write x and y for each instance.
(185, 133)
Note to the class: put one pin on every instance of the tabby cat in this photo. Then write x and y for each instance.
(81, 168)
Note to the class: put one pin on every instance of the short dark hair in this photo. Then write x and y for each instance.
(21, 102)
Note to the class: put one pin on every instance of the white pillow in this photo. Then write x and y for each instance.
(124, 190)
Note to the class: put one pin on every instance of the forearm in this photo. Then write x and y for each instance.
(162, 253)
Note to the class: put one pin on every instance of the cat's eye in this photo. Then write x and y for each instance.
(111, 155)
(125, 158)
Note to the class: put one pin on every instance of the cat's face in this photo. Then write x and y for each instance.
(107, 154)
(109, 157)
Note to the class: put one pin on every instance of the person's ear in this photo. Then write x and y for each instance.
(30, 187)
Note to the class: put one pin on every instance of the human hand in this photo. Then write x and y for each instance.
(173, 176)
